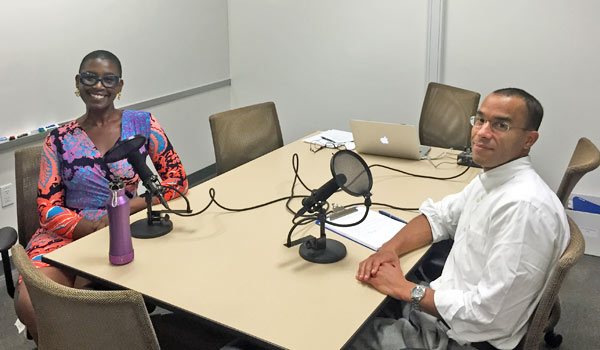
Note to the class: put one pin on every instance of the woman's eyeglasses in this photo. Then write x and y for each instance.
(91, 79)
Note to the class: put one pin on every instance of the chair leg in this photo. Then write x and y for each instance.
(552, 339)
(10, 285)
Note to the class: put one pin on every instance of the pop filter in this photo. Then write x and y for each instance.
(122, 149)
(352, 174)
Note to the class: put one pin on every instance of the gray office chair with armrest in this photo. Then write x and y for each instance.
(540, 325)
(585, 158)
(70, 318)
(27, 172)
(243, 134)
(444, 120)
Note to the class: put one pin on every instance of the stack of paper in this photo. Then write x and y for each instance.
(333, 139)
(372, 233)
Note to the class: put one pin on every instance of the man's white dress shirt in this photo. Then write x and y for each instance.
(509, 229)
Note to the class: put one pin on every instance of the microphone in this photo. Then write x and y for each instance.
(149, 180)
(351, 174)
(321, 194)
(129, 149)
(155, 225)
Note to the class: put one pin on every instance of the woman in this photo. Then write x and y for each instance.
(73, 187)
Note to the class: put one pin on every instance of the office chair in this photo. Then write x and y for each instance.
(540, 325)
(585, 158)
(27, 172)
(445, 116)
(243, 134)
(70, 318)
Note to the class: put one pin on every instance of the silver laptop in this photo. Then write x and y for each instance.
(387, 139)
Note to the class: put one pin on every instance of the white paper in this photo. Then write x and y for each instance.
(372, 233)
(333, 139)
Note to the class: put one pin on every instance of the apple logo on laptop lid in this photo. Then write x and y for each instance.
(384, 140)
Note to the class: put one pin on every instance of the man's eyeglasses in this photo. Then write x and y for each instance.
(91, 79)
(496, 125)
(317, 147)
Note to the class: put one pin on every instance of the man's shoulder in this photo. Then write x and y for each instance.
(529, 188)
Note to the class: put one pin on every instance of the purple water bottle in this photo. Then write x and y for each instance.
(121, 249)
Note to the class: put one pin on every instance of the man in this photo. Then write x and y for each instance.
(509, 229)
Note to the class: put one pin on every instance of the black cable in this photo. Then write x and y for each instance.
(212, 195)
(305, 219)
(187, 202)
(418, 175)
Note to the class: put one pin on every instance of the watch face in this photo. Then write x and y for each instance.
(417, 292)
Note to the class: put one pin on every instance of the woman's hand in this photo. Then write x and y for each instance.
(84, 227)
(100, 223)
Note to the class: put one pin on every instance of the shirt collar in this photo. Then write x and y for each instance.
(499, 175)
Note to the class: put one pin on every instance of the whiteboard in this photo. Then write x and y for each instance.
(164, 47)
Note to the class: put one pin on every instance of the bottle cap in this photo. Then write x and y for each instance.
(116, 184)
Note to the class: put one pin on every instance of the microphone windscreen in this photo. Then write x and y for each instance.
(123, 148)
(357, 179)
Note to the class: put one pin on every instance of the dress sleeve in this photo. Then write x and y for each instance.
(54, 216)
(166, 161)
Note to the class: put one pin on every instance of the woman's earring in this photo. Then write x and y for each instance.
(119, 96)
(77, 92)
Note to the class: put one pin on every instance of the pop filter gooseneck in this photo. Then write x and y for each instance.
(154, 225)
(350, 173)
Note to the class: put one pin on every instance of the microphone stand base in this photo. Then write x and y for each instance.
(333, 251)
(141, 228)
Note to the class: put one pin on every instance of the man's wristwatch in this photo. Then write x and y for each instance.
(416, 294)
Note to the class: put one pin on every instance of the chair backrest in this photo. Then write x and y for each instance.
(540, 318)
(243, 134)
(69, 318)
(585, 158)
(27, 174)
(445, 116)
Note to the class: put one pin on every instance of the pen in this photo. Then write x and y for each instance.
(391, 216)
(330, 140)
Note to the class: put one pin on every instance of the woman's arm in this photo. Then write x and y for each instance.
(166, 161)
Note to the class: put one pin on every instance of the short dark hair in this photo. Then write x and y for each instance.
(103, 55)
(534, 107)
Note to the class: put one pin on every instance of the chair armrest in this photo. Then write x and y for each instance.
(8, 238)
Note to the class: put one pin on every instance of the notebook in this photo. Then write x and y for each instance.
(372, 233)
(387, 139)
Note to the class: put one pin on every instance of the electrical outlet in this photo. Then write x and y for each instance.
(7, 193)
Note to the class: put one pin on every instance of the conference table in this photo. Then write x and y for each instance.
(233, 269)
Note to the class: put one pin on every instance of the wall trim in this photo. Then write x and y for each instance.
(435, 41)
(139, 105)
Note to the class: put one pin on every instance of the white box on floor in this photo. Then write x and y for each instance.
(589, 224)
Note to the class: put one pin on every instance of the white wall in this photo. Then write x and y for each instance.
(549, 48)
(325, 62)
(164, 47)
(186, 123)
